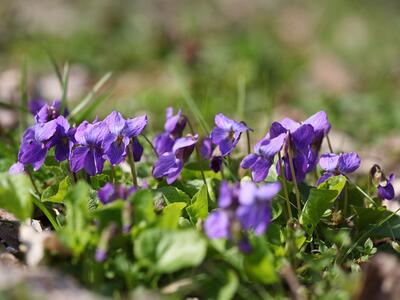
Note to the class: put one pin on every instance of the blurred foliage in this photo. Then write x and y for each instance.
(248, 58)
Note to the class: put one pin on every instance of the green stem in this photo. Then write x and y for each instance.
(198, 157)
(329, 143)
(33, 183)
(294, 179)
(113, 174)
(46, 212)
(285, 190)
(150, 143)
(248, 142)
(132, 164)
(346, 199)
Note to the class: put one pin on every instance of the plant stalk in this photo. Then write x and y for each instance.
(294, 179)
(132, 165)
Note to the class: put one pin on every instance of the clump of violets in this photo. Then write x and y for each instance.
(241, 208)
(338, 164)
(170, 164)
(300, 143)
(111, 192)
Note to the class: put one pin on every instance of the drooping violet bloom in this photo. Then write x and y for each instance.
(336, 164)
(121, 133)
(35, 105)
(175, 124)
(100, 255)
(170, 164)
(385, 188)
(209, 152)
(63, 139)
(254, 211)
(216, 163)
(227, 133)
(206, 148)
(50, 112)
(321, 125)
(109, 192)
(174, 127)
(262, 159)
(88, 154)
(34, 146)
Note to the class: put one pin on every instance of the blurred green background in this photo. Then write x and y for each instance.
(255, 60)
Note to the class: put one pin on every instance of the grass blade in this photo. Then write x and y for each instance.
(54, 64)
(83, 115)
(196, 112)
(14, 107)
(24, 94)
(89, 97)
(64, 88)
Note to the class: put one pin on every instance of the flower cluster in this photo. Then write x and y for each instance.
(86, 146)
(172, 147)
(300, 143)
(241, 208)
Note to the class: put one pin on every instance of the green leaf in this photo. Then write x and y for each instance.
(319, 200)
(228, 291)
(166, 251)
(143, 205)
(111, 212)
(76, 232)
(56, 193)
(170, 215)
(172, 194)
(15, 195)
(369, 216)
(199, 207)
(259, 266)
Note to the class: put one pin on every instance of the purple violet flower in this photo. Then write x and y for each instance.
(336, 164)
(245, 205)
(174, 127)
(262, 159)
(35, 105)
(63, 139)
(170, 164)
(175, 124)
(206, 148)
(121, 132)
(227, 133)
(109, 192)
(88, 154)
(34, 146)
(163, 143)
(385, 188)
(219, 222)
(50, 112)
(254, 211)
